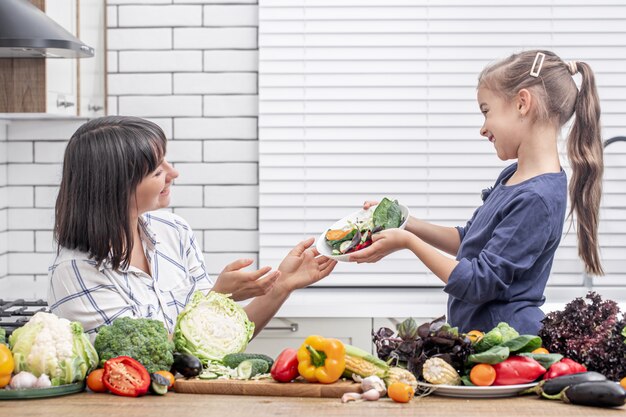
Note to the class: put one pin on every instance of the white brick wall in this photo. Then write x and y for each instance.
(191, 67)
(4, 198)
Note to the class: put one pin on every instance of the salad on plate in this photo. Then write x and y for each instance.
(354, 232)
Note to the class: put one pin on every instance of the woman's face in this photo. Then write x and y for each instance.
(153, 192)
(502, 123)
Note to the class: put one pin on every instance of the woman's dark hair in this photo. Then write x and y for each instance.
(558, 99)
(104, 161)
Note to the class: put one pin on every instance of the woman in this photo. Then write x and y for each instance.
(117, 256)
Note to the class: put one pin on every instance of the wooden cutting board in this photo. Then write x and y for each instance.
(298, 388)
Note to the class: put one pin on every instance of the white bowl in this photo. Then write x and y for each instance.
(324, 248)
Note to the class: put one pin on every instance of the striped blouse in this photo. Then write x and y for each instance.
(95, 296)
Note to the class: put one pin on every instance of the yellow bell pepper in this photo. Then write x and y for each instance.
(321, 360)
(6, 365)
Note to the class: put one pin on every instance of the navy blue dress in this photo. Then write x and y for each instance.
(506, 254)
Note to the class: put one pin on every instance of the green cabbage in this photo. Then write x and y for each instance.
(53, 346)
(212, 326)
(496, 336)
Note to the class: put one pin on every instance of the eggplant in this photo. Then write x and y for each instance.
(186, 365)
(595, 394)
(554, 386)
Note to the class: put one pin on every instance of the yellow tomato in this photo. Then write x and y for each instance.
(540, 350)
(622, 382)
(6, 365)
(475, 336)
(400, 392)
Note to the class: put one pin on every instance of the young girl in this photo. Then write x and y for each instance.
(118, 257)
(505, 251)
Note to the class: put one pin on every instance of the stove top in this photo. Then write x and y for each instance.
(16, 313)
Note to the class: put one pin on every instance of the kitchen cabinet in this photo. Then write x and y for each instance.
(92, 71)
(60, 86)
(281, 333)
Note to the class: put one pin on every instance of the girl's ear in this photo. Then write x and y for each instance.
(524, 101)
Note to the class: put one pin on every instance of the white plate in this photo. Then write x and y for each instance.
(462, 391)
(324, 248)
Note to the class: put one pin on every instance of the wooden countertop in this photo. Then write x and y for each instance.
(195, 405)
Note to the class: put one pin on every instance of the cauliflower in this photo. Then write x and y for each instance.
(53, 346)
(145, 340)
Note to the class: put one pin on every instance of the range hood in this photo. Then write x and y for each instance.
(27, 32)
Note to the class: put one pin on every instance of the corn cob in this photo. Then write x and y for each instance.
(437, 371)
(361, 363)
(397, 374)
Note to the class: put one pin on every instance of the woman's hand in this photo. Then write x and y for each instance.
(302, 266)
(245, 284)
(384, 243)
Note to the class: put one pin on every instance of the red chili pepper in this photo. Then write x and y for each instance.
(285, 368)
(518, 370)
(125, 376)
(565, 366)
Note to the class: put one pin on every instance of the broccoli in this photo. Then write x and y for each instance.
(145, 340)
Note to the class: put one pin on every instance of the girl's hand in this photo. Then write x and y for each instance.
(302, 266)
(245, 284)
(369, 203)
(384, 243)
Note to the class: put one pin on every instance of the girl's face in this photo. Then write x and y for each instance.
(502, 123)
(153, 192)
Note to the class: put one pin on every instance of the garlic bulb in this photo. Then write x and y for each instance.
(23, 380)
(374, 382)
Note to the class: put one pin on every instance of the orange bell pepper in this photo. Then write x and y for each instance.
(321, 360)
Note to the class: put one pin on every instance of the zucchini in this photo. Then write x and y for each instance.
(251, 367)
(232, 360)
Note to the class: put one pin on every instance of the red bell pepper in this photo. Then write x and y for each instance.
(518, 370)
(285, 367)
(565, 366)
(125, 376)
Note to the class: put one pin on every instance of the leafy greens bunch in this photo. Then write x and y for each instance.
(413, 345)
(590, 332)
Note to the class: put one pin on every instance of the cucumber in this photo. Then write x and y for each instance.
(232, 360)
(251, 367)
(159, 384)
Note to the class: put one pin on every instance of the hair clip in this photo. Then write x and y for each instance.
(535, 72)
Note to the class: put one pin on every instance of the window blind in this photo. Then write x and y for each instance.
(361, 99)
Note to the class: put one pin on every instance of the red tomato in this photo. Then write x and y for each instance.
(95, 382)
